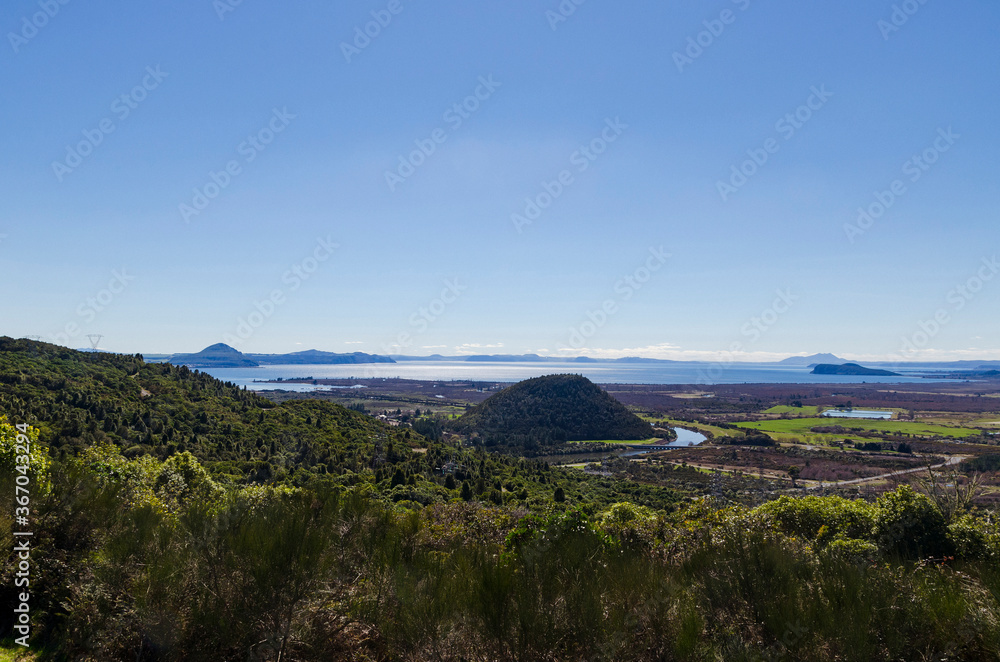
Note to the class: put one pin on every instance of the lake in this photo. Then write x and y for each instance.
(857, 413)
(602, 372)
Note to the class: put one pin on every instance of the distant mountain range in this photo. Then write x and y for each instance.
(317, 357)
(222, 355)
(947, 365)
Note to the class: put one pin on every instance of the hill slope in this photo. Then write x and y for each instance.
(552, 409)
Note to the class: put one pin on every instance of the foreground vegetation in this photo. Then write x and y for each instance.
(179, 518)
(150, 560)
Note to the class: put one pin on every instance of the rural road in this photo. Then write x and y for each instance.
(951, 461)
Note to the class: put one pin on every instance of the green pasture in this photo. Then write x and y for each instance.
(808, 410)
(801, 426)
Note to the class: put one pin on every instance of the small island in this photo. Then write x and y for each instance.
(851, 369)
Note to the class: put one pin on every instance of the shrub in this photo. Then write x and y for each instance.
(908, 524)
(852, 550)
(973, 538)
(806, 517)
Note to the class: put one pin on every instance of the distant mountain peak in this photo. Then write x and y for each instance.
(812, 360)
(220, 347)
(219, 355)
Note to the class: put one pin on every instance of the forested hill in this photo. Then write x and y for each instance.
(552, 409)
(79, 399)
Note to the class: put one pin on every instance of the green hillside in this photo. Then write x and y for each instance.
(78, 400)
(551, 410)
(82, 400)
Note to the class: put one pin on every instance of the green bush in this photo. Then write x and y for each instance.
(975, 538)
(852, 550)
(824, 518)
(909, 525)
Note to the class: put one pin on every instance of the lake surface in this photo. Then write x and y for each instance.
(686, 438)
(857, 413)
(602, 372)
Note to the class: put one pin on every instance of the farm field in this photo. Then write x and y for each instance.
(805, 410)
(803, 426)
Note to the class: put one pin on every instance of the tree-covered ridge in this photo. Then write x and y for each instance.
(80, 400)
(551, 410)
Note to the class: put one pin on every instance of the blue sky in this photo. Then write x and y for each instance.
(304, 243)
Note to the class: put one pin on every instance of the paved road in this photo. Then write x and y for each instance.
(955, 459)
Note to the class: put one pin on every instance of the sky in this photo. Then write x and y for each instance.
(717, 180)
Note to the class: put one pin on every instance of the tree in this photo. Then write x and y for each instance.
(954, 495)
(794, 472)
(466, 491)
(560, 495)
